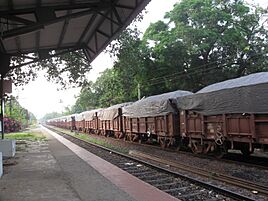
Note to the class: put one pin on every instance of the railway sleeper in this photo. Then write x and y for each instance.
(156, 176)
(129, 168)
(154, 181)
(193, 195)
(140, 173)
(176, 190)
(168, 186)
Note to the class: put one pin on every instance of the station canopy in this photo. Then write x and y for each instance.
(40, 26)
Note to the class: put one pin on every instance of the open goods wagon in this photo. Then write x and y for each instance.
(110, 120)
(153, 118)
(91, 121)
(228, 115)
(79, 122)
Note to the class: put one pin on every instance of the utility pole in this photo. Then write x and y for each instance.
(139, 91)
(2, 106)
(4, 68)
(10, 105)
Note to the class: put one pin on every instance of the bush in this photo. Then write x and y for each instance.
(11, 125)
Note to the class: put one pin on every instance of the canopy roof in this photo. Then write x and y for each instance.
(40, 26)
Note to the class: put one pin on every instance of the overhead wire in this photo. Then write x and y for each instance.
(195, 70)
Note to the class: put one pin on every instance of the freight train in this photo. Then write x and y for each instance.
(232, 114)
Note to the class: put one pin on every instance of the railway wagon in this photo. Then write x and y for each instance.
(57, 122)
(61, 122)
(153, 118)
(70, 123)
(80, 122)
(91, 121)
(110, 120)
(228, 115)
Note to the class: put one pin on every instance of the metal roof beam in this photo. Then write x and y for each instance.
(119, 22)
(92, 19)
(124, 6)
(40, 25)
(104, 34)
(87, 54)
(71, 6)
(17, 19)
(48, 49)
(117, 15)
(92, 35)
(2, 47)
(34, 60)
(65, 26)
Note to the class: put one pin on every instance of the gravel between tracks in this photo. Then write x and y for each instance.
(252, 174)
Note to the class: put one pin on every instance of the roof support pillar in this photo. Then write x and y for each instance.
(4, 68)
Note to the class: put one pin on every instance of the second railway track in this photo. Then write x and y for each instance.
(204, 173)
(176, 184)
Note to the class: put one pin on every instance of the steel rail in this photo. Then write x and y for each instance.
(204, 173)
(204, 184)
(231, 161)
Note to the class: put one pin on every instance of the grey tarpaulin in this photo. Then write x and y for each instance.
(253, 79)
(248, 94)
(111, 112)
(89, 115)
(154, 105)
(79, 117)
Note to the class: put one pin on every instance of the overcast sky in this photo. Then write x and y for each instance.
(41, 97)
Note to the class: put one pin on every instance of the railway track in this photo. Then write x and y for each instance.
(208, 174)
(252, 161)
(174, 183)
(232, 158)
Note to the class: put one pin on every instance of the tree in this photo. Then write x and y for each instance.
(86, 100)
(199, 43)
(16, 112)
(67, 69)
(209, 41)
(51, 115)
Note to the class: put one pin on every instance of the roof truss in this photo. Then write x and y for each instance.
(41, 26)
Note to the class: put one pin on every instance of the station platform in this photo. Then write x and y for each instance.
(59, 170)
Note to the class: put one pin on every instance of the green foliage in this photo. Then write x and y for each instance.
(31, 136)
(67, 69)
(209, 41)
(15, 111)
(51, 115)
(200, 42)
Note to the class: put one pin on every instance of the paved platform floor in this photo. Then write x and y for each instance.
(49, 171)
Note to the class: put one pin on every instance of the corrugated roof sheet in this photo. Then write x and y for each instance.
(31, 26)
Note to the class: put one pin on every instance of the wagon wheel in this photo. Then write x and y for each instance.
(135, 137)
(220, 151)
(127, 137)
(178, 146)
(163, 143)
(197, 148)
(245, 151)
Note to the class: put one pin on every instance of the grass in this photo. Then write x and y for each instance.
(29, 135)
(93, 140)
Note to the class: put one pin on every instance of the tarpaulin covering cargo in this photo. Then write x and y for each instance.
(79, 117)
(89, 115)
(69, 117)
(152, 106)
(248, 94)
(111, 113)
